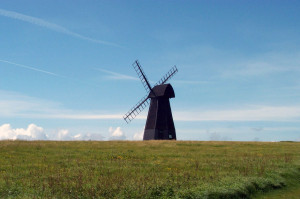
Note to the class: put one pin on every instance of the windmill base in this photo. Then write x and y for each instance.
(155, 134)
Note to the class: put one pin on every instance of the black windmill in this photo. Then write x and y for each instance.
(159, 125)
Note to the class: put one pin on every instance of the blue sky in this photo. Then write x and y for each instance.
(66, 68)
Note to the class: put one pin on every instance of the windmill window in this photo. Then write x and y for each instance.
(170, 136)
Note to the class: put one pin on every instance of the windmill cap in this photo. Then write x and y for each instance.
(163, 90)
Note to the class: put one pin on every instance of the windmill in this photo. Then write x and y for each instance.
(159, 124)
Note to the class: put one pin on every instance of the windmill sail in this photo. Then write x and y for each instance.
(167, 76)
(140, 72)
(132, 113)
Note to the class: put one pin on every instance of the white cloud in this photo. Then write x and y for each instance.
(89, 136)
(138, 136)
(33, 132)
(116, 134)
(50, 26)
(63, 134)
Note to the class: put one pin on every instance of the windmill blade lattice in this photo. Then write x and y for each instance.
(132, 113)
(167, 76)
(140, 72)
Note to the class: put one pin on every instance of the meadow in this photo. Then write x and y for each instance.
(149, 169)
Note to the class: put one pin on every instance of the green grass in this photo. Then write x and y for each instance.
(152, 169)
(292, 191)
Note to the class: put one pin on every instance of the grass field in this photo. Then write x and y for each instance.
(152, 169)
(292, 192)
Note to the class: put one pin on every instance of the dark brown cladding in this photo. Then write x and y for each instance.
(164, 90)
(160, 125)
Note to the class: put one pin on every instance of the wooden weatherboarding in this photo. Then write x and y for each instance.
(159, 124)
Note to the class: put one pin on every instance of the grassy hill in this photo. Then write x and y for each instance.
(152, 169)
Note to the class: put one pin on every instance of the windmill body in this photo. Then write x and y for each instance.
(159, 124)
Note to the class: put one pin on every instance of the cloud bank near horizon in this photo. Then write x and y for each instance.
(51, 26)
(34, 132)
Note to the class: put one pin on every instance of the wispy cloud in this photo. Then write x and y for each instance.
(51, 26)
(117, 76)
(47, 72)
(266, 64)
(72, 115)
(17, 105)
(190, 82)
(255, 69)
(253, 113)
(31, 68)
